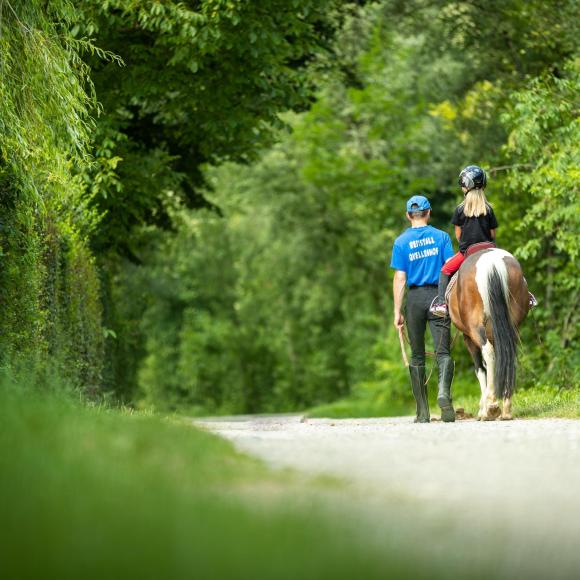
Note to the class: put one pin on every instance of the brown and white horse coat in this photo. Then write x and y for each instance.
(487, 304)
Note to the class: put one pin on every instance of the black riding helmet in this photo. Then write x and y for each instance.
(472, 177)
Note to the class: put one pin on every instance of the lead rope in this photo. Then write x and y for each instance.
(403, 338)
(402, 343)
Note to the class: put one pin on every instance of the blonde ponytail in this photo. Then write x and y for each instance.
(475, 203)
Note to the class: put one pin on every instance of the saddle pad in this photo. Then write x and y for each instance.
(450, 286)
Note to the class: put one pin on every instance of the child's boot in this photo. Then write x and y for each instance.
(438, 306)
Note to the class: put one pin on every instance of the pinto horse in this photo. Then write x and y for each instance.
(487, 304)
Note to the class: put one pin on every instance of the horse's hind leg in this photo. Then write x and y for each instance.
(491, 408)
(480, 373)
(506, 413)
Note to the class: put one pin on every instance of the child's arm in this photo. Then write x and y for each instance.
(492, 232)
(458, 233)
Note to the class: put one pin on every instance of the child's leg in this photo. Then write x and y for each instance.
(449, 268)
(442, 287)
(453, 264)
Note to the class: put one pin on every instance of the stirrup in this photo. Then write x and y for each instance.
(438, 309)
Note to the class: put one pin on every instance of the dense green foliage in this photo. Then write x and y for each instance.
(177, 84)
(199, 198)
(202, 82)
(283, 301)
(545, 133)
(49, 288)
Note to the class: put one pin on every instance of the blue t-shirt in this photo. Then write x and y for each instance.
(421, 252)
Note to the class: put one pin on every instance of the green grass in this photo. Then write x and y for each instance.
(536, 403)
(543, 401)
(92, 492)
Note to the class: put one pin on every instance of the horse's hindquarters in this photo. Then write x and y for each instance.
(487, 304)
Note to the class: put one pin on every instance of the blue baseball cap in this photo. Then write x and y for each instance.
(420, 201)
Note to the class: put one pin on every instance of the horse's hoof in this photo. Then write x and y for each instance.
(493, 412)
(506, 418)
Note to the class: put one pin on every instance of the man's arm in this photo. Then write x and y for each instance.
(399, 283)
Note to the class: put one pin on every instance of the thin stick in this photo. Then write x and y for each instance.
(403, 351)
(505, 167)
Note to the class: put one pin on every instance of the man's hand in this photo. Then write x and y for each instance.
(399, 321)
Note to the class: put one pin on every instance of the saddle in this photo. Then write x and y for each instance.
(473, 249)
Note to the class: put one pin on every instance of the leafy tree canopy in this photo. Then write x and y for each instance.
(203, 81)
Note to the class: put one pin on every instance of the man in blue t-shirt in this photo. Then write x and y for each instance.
(418, 255)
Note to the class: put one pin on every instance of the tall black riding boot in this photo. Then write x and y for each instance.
(442, 287)
(444, 399)
(420, 393)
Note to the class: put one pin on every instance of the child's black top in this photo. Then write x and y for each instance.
(474, 229)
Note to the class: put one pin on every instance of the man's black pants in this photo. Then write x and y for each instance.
(417, 314)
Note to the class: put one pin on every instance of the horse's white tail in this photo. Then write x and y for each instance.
(492, 282)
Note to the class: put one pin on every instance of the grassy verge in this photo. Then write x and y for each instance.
(536, 403)
(91, 492)
(530, 403)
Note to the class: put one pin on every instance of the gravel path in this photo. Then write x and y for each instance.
(512, 485)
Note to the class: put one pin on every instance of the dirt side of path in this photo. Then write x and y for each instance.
(507, 493)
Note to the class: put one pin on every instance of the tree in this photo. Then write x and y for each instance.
(543, 159)
(49, 287)
(203, 82)
(299, 311)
